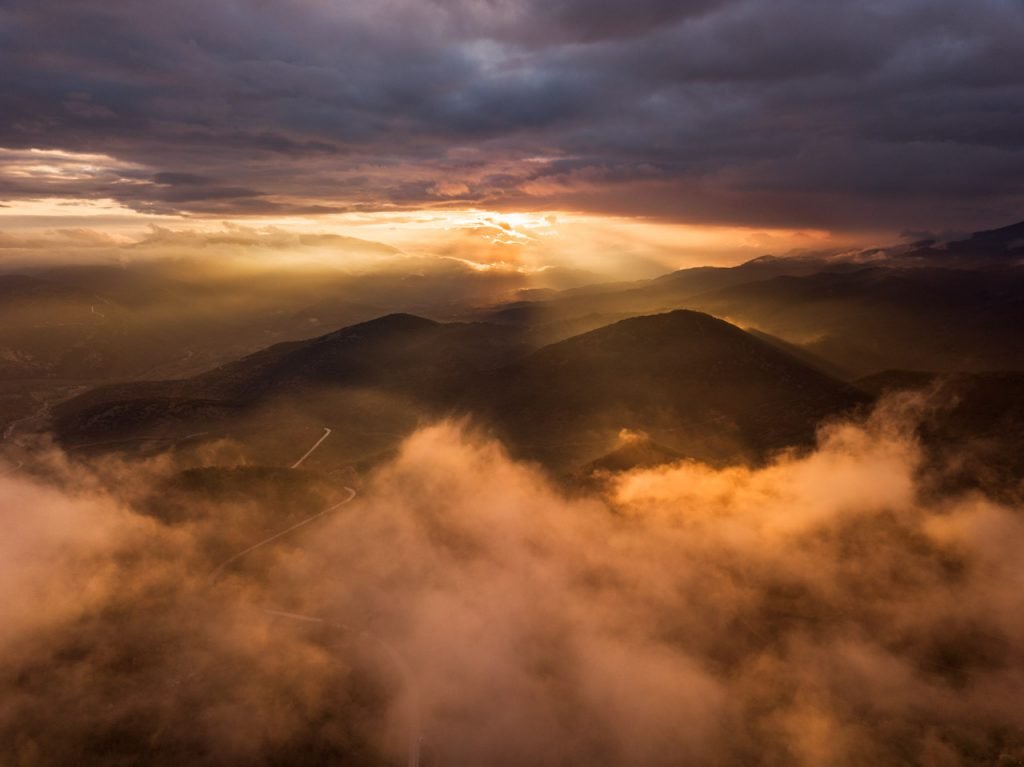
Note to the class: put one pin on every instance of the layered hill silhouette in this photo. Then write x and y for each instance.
(872, 319)
(396, 358)
(144, 320)
(558, 377)
(700, 386)
(577, 310)
(948, 307)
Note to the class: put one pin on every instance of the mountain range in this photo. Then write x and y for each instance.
(721, 364)
(703, 387)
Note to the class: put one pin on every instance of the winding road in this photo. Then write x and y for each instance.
(276, 536)
(415, 734)
(415, 724)
(298, 463)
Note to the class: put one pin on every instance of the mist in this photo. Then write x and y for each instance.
(824, 609)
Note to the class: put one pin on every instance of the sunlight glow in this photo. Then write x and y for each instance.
(528, 242)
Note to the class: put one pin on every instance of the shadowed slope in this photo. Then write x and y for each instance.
(697, 384)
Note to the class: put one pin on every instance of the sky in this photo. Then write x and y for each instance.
(714, 129)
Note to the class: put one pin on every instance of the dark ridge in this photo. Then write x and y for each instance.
(399, 355)
(1006, 235)
(699, 386)
(696, 384)
(398, 322)
(881, 317)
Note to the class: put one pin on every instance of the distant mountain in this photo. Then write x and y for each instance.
(695, 384)
(164, 318)
(943, 306)
(395, 352)
(84, 325)
(699, 386)
(398, 355)
(610, 302)
(877, 318)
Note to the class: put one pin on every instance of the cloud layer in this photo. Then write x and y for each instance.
(817, 611)
(788, 114)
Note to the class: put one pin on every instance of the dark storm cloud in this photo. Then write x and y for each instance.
(794, 113)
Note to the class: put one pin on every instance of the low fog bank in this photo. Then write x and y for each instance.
(826, 609)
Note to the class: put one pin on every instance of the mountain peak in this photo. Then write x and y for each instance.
(673, 321)
(398, 322)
